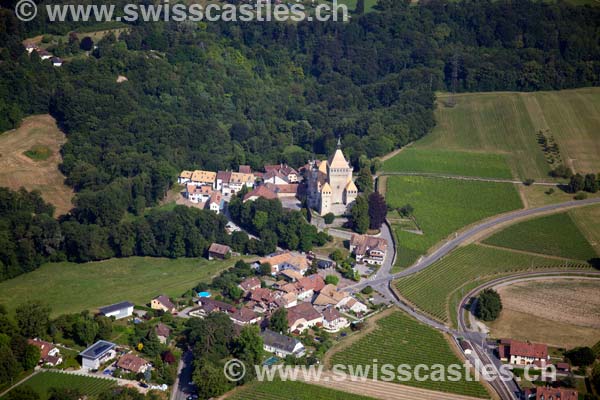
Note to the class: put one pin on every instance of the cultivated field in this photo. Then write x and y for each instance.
(17, 169)
(44, 381)
(442, 161)
(507, 124)
(290, 390)
(437, 289)
(443, 206)
(412, 343)
(555, 235)
(569, 309)
(588, 221)
(70, 288)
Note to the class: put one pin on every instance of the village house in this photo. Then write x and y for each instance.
(249, 284)
(216, 202)
(44, 55)
(132, 363)
(233, 182)
(282, 345)
(184, 177)
(309, 285)
(207, 306)
(244, 169)
(263, 300)
(49, 354)
(285, 260)
(287, 300)
(351, 304)
(522, 353)
(302, 317)
(331, 296)
(283, 191)
(163, 303)
(289, 174)
(218, 251)
(162, 332)
(97, 354)
(368, 249)
(258, 192)
(56, 61)
(223, 178)
(245, 316)
(198, 194)
(203, 178)
(333, 320)
(291, 275)
(275, 178)
(550, 393)
(118, 310)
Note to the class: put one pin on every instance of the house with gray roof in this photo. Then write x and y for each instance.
(97, 354)
(118, 310)
(282, 345)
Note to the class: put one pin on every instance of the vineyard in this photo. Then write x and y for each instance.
(439, 208)
(291, 390)
(400, 340)
(44, 381)
(555, 235)
(432, 289)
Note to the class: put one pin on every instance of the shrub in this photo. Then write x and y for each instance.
(367, 290)
(528, 182)
(580, 196)
(329, 218)
(489, 305)
(332, 280)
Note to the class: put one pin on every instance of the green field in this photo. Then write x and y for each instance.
(398, 340)
(443, 206)
(69, 288)
(431, 289)
(44, 381)
(291, 390)
(452, 162)
(505, 125)
(555, 235)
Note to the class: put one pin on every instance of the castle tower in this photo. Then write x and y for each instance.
(339, 173)
(326, 193)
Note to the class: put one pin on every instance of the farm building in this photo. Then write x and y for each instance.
(118, 310)
(522, 353)
(218, 251)
(281, 345)
(97, 354)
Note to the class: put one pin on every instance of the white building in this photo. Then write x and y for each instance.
(282, 345)
(118, 311)
(97, 354)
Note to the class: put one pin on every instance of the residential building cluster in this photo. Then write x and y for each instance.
(212, 189)
(43, 54)
(308, 300)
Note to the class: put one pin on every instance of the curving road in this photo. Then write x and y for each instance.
(426, 261)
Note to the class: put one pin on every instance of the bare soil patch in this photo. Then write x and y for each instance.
(17, 170)
(563, 313)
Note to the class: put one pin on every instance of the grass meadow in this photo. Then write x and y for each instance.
(69, 288)
(414, 343)
(44, 381)
(437, 289)
(505, 124)
(555, 235)
(442, 206)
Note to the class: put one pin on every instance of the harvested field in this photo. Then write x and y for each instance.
(17, 169)
(562, 313)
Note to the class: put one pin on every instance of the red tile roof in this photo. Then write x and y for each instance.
(300, 311)
(131, 362)
(533, 350)
(250, 283)
(543, 393)
(261, 191)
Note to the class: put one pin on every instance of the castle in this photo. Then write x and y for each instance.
(330, 187)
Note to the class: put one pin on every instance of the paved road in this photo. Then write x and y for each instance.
(468, 234)
(181, 387)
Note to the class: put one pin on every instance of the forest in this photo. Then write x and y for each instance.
(217, 95)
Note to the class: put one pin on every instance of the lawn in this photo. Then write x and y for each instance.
(291, 390)
(443, 206)
(69, 288)
(44, 381)
(555, 235)
(398, 340)
(441, 161)
(506, 124)
(437, 289)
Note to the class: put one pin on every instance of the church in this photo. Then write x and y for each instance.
(330, 188)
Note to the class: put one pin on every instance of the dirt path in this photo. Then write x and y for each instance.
(394, 153)
(380, 389)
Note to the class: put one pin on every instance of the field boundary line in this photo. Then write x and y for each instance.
(530, 253)
(37, 371)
